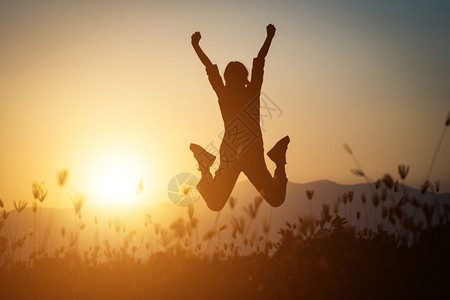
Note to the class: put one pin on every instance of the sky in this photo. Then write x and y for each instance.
(99, 87)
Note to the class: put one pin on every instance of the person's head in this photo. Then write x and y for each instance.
(236, 74)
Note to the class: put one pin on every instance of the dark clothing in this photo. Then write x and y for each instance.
(242, 144)
(242, 103)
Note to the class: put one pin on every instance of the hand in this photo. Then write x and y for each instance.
(195, 38)
(270, 30)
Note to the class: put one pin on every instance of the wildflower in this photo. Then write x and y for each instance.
(309, 194)
(34, 206)
(38, 192)
(1, 203)
(358, 215)
(326, 217)
(73, 238)
(447, 122)
(350, 196)
(252, 209)
(388, 181)
(403, 171)
(377, 184)
(232, 202)
(363, 198)
(178, 227)
(4, 213)
(20, 205)
(357, 172)
(62, 177)
(258, 201)
(425, 187)
(209, 235)
(268, 246)
(238, 225)
(348, 149)
(78, 201)
(343, 198)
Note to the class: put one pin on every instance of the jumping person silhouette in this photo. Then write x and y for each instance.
(241, 149)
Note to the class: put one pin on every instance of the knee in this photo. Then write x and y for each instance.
(214, 206)
(274, 197)
(275, 202)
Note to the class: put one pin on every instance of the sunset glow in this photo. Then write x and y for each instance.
(115, 181)
(253, 149)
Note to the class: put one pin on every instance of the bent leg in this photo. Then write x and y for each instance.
(217, 190)
(272, 189)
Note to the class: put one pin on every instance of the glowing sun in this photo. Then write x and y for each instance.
(116, 181)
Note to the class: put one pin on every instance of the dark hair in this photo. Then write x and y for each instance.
(236, 74)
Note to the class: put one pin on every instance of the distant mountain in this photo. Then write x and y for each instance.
(327, 192)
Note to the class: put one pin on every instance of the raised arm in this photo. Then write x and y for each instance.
(195, 39)
(265, 47)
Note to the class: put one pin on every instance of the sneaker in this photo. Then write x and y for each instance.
(203, 157)
(278, 153)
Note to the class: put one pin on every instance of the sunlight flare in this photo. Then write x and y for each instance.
(117, 180)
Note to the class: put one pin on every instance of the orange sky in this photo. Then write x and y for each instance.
(82, 83)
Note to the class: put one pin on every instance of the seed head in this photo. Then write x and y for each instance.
(348, 149)
(377, 184)
(4, 213)
(20, 205)
(388, 181)
(357, 172)
(232, 202)
(403, 171)
(38, 191)
(350, 196)
(62, 177)
(425, 187)
(78, 201)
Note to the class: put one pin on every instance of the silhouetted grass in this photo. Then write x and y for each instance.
(397, 247)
